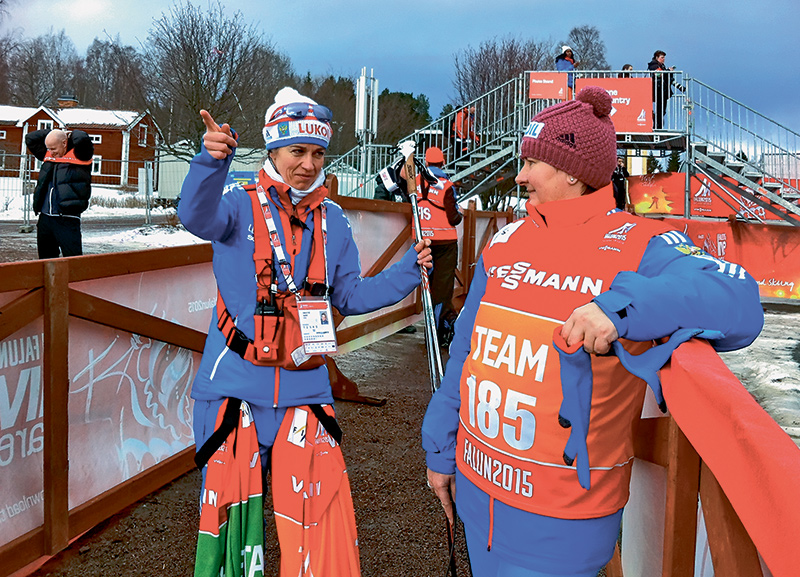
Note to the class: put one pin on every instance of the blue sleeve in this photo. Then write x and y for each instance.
(564, 65)
(354, 294)
(677, 286)
(440, 425)
(203, 210)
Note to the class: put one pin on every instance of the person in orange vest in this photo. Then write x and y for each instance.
(281, 246)
(63, 189)
(439, 215)
(464, 129)
(537, 442)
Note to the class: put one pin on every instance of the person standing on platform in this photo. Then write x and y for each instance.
(533, 422)
(439, 215)
(63, 189)
(663, 82)
(565, 62)
(464, 130)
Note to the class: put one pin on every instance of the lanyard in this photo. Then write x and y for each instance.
(277, 247)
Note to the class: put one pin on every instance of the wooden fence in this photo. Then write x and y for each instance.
(53, 292)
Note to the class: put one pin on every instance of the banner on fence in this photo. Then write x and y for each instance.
(551, 85)
(129, 405)
(631, 101)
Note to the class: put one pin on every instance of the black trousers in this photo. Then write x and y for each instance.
(58, 236)
(442, 279)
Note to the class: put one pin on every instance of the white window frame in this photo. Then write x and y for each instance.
(2, 134)
(142, 135)
(96, 138)
(2, 159)
(45, 125)
(97, 164)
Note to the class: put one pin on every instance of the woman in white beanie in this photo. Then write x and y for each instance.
(278, 247)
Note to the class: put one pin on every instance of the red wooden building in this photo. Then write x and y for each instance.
(124, 140)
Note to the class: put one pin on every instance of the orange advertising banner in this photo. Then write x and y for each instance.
(771, 254)
(548, 85)
(664, 193)
(660, 193)
(631, 101)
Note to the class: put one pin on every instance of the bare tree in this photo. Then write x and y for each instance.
(588, 48)
(42, 69)
(495, 61)
(4, 4)
(9, 41)
(195, 59)
(108, 73)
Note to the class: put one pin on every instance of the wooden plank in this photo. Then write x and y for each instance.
(388, 254)
(491, 230)
(22, 551)
(468, 244)
(107, 504)
(21, 312)
(56, 400)
(373, 324)
(136, 261)
(732, 551)
(680, 525)
(650, 440)
(21, 275)
(101, 311)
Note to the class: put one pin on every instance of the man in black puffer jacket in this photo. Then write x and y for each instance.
(63, 190)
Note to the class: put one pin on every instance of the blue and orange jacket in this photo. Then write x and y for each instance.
(227, 221)
(648, 279)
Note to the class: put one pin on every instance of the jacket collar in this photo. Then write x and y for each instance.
(281, 195)
(574, 211)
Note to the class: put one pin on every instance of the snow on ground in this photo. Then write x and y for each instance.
(12, 208)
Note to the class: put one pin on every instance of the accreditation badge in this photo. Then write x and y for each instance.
(316, 325)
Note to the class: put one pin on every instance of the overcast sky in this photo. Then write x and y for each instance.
(743, 48)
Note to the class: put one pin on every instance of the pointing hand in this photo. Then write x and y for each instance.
(218, 140)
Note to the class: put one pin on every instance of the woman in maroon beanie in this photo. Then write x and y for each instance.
(539, 442)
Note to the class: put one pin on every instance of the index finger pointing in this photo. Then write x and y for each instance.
(211, 125)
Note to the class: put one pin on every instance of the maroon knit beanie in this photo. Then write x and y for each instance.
(576, 136)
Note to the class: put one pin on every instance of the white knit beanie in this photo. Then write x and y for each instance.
(284, 130)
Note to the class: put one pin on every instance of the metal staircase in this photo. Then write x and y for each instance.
(741, 151)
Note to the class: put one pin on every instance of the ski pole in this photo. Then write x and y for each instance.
(431, 340)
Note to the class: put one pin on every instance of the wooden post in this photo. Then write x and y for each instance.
(56, 402)
(732, 551)
(680, 524)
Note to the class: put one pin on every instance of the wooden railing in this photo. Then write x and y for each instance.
(50, 292)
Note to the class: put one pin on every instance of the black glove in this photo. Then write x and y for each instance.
(389, 177)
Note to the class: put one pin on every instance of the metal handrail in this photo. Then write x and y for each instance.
(696, 111)
(767, 149)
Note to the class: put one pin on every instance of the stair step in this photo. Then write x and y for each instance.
(717, 156)
(754, 176)
(701, 148)
(735, 166)
(772, 186)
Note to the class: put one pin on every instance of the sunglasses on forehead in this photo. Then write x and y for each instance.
(299, 110)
